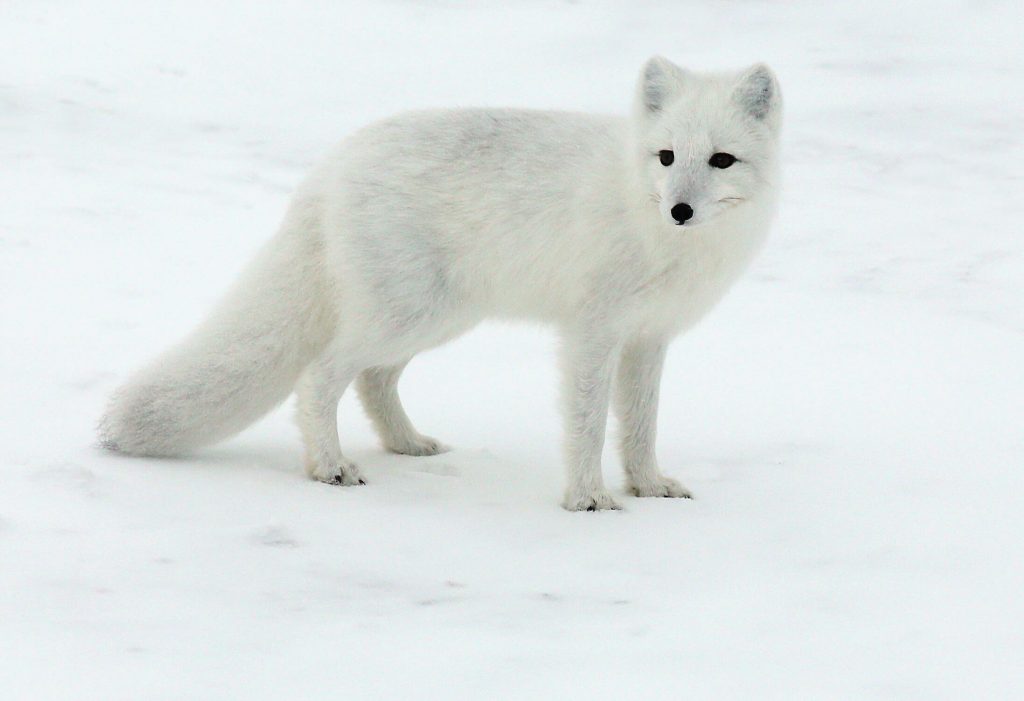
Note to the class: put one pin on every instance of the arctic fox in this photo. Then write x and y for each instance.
(620, 232)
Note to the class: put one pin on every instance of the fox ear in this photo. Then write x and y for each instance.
(660, 81)
(758, 94)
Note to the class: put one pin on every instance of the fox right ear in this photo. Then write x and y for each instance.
(660, 81)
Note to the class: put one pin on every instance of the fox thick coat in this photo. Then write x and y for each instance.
(620, 232)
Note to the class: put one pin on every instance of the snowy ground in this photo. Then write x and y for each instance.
(850, 419)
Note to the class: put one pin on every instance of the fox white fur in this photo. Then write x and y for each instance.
(418, 227)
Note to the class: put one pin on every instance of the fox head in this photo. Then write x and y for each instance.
(706, 143)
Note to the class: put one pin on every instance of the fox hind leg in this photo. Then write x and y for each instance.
(378, 390)
(319, 390)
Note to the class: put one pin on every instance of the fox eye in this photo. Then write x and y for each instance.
(666, 157)
(722, 160)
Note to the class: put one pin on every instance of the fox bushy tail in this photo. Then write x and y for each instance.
(241, 362)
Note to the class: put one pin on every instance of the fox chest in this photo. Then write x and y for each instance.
(678, 292)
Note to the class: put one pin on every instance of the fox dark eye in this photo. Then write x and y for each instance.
(666, 157)
(722, 160)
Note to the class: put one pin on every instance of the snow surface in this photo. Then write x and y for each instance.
(850, 419)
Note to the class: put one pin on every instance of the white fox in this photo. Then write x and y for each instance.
(621, 232)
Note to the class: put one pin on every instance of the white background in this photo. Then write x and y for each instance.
(850, 418)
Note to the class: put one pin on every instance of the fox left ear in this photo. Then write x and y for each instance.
(758, 93)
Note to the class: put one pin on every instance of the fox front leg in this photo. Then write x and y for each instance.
(588, 365)
(636, 405)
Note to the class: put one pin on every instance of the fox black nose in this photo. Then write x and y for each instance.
(681, 212)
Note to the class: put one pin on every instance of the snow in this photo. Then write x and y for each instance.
(849, 418)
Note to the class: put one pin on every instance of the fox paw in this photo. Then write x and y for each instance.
(418, 446)
(660, 486)
(345, 474)
(598, 500)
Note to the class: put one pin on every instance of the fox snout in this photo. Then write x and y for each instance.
(681, 213)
